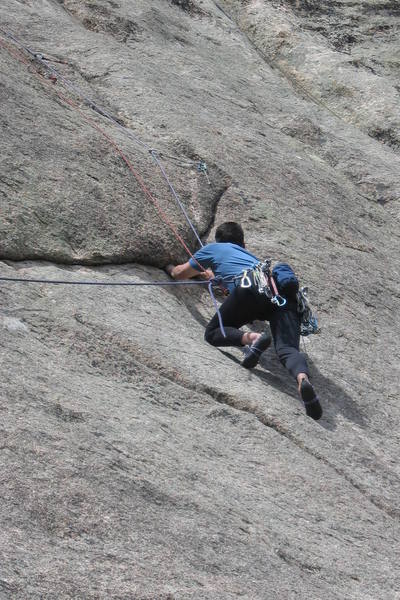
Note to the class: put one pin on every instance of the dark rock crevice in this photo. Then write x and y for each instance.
(386, 136)
(315, 7)
(189, 6)
(98, 18)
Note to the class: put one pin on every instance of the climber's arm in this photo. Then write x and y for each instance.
(186, 271)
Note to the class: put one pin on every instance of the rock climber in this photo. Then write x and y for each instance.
(226, 259)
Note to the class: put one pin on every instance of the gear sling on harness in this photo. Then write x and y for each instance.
(281, 280)
(263, 280)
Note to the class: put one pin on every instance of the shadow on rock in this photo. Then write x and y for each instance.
(333, 398)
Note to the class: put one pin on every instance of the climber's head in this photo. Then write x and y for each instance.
(230, 232)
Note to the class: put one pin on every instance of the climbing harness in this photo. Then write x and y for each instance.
(260, 274)
(263, 281)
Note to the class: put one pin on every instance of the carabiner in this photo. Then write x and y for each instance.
(245, 282)
(278, 300)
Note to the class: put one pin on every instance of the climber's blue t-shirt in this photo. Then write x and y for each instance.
(225, 259)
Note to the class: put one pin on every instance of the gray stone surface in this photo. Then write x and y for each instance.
(344, 55)
(138, 462)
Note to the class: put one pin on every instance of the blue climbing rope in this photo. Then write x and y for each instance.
(221, 324)
(202, 167)
(179, 202)
(99, 283)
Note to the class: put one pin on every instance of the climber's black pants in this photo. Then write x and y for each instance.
(244, 305)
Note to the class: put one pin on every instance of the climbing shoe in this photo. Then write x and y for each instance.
(253, 352)
(310, 399)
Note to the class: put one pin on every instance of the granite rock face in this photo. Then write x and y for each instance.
(138, 462)
(344, 56)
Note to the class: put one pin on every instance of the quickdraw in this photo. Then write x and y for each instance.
(308, 323)
(245, 281)
(263, 280)
(261, 276)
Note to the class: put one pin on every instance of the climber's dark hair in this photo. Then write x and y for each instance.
(230, 232)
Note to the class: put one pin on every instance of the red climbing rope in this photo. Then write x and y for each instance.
(53, 80)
